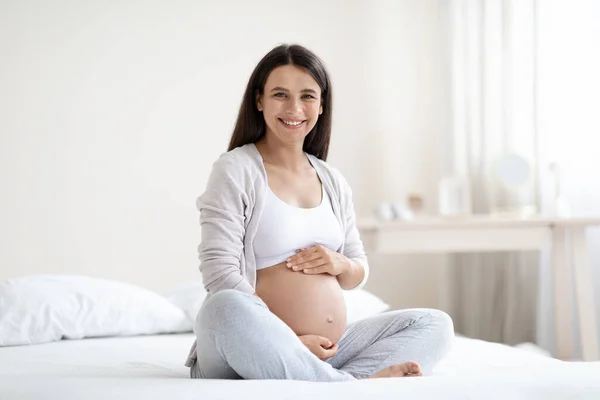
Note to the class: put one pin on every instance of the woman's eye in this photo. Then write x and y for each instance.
(308, 96)
(279, 94)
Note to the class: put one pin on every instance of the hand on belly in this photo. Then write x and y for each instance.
(309, 304)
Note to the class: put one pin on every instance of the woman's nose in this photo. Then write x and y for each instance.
(293, 107)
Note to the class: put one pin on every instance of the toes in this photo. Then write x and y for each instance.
(413, 367)
(407, 369)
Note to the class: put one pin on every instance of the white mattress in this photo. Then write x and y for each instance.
(151, 367)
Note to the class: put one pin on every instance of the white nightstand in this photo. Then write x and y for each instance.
(485, 233)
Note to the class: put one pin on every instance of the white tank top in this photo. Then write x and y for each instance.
(284, 228)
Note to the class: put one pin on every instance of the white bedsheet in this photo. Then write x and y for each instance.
(151, 367)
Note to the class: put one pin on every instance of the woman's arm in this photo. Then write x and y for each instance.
(358, 273)
(353, 277)
(222, 207)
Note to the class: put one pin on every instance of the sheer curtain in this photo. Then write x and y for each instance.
(492, 296)
(569, 125)
(525, 80)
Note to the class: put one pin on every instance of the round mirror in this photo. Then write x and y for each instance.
(513, 170)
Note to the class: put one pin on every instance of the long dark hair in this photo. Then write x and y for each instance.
(250, 124)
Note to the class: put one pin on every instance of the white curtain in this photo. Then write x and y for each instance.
(492, 296)
(568, 84)
(524, 80)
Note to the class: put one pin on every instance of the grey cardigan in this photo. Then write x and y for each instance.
(230, 210)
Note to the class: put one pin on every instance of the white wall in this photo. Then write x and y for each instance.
(111, 114)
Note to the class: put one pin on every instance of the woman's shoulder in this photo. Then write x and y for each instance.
(238, 159)
(238, 162)
(334, 178)
(331, 172)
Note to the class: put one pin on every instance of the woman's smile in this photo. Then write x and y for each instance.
(291, 123)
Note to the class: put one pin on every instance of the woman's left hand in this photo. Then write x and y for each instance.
(319, 260)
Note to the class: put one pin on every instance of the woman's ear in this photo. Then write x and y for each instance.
(321, 109)
(259, 103)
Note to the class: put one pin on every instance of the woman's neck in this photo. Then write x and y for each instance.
(290, 157)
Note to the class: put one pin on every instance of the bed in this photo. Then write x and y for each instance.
(151, 367)
(80, 337)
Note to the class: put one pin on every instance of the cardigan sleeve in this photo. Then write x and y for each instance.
(222, 207)
(353, 246)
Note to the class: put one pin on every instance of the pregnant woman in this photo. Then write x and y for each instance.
(279, 246)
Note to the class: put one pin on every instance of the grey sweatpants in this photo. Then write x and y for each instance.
(239, 338)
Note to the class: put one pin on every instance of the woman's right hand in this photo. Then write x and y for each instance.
(320, 346)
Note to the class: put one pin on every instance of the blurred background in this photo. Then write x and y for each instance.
(112, 113)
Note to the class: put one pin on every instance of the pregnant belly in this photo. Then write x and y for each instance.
(309, 304)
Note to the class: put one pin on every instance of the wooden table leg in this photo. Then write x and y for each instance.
(584, 295)
(562, 296)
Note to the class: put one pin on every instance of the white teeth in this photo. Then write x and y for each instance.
(293, 123)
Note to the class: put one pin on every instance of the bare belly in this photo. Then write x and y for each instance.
(309, 304)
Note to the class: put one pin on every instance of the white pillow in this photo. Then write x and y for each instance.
(359, 303)
(39, 309)
(188, 297)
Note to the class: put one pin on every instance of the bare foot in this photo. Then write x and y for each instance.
(406, 369)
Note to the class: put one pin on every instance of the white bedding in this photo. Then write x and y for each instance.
(151, 367)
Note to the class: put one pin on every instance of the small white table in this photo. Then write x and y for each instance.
(485, 233)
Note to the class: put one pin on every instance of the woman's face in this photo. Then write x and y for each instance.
(290, 103)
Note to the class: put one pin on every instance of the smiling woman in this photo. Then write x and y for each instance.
(280, 244)
(297, 81)
(291, 103)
